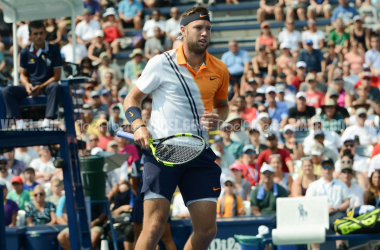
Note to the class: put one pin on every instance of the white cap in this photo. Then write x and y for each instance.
(110, 11)
(357, 18)
(289, 127)
(218, 154)
(301, 94)
(263, 115)
(266, 167)
(96, 150)
(285, 45)
(270, 89)
(99, 33)
(366, 66)
(301, 64)
(315, 119)
(229, 179)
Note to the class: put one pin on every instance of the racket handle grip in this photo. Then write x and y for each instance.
(125, 135)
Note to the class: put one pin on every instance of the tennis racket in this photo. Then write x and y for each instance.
(173, 150)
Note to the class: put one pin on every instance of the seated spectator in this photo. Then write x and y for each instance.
(115, 121)
(279, 177)
(94, 7)
(88, 125)
(67, 50)
(339, 94)
(331, 120)
(349, 79)
(53, 34)
(180, 211)
(16, 167)
(242, 186)
(355, 190)
(360, 34)
(98, 218)
(86, 29)
(248, 104)
(254, 138)
(150, 25)
(230, 204)
(317, 36)
(286, 63)
(264, 124)
(30, 180)
(56, 191)
(263, 198)
(34, 216)
(264, 157)
(157, 42)
(130, 11)
(114, 92)
(23, 35)
(333, 59)
(301, 184)
(5, 176)
(339, 36)
(227, 157)
(366, 104)
(270, 8)
(314, 98)
(104, 137)
(44, 166)
(369, 11)
(132, 67)
(289, 99)
(336, 191)
(300, 115)
(172, 26)
(372, 55)
(276, 110)
(295, 149)
(319, 7)
(263, 62)
(97, 47)
(300, 75)
(89, 70)
(313, 57)
(99, 109)
(355, 57)
(127, 148)
(107, 66)
(235, 148)
(38, 78)
(18, 195)
(316, 154)
(292, 8)
(25, 154)
(344, 12)
(10, 209)
(237, 124)
(266, 38)
(250, 168)
(365, 91)
(374, 189)
(291, 36)
(113, 29)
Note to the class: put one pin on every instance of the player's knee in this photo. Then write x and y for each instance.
(208, 232)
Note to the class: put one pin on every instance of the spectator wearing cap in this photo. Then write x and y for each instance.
(30, 180)
(284, 79)
(148, 29)
(157, 44)
(319, 7)
(331, 120)
(98, 46)
(86, 29)
(367, 134)
(266, 38)
(265, 124)
(227, 158)
(343, 97)
(173, 25)
(276, 110)
(16, 167)
(317, 36)
(250, 168)
(301, 113)
(271, 142)
(263, 198)
(314, 98)
(237, 125)
(336, 191)
(355, 190)
(331, 139)
(104, 137)
(301, 184)
(279, 177)
(339, 36)
(372, 56)
(242, 186)
(235, 148)
(105, 97)
(291, 36)
(99, 109)
(300, 75)
(18, 195)
(355, 57)
(43, 166)
(5, 175)
(360, 164)
(319, 139)
(67, 50)
(280, 96)
(320, 82)
(375, 80)
(365, 91)
(130, 11)
(88, 125)
(133, 66)
(114, 121)
(10, 208)
(113, 29)
(107, 65)
(270, 8)
(312, 57)
(344, 12)
(366, 104)
(229, 204)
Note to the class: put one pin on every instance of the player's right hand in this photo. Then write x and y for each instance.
(141, 137)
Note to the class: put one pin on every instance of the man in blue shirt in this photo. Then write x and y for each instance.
(130, 11)
(94, 7)
(276, 110)
(372, 56)
(345, 12)
(40, 71)
(313, 57)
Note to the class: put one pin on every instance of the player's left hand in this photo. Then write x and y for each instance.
(210, 120)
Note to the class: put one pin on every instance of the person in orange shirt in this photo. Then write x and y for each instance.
(229, 205)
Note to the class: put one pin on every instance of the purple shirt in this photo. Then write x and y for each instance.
(10, 208)
(92, 7)
(18, 167)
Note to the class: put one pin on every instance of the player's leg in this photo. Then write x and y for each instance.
(203, 217)
(167, 238)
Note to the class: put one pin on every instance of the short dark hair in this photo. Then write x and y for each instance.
(347, 152)
(194, 10)
(35, 25)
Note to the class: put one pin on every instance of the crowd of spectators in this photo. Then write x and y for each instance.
(301, 111)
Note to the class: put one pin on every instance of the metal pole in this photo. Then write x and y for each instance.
(15, 51)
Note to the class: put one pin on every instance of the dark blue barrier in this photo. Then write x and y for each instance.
(15, 237)
(42, 237)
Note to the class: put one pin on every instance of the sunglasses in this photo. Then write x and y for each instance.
(349, 145)
(347, 162)
(347, 171)
(267, 173)
(41, 194)
(327, 167)
(319, 137)
(288, 132)
(250, 152)
(229, 184)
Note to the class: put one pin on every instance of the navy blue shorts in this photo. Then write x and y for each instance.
(198, 179)
(137, 214)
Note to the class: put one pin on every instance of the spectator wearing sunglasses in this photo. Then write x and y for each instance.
(234, 147)
(374, 189)
(230, 204)
(250, 168)
(301, 184)
(34, 216)
(356, 191)
(366, 104)
(336, 191)
(263, 198)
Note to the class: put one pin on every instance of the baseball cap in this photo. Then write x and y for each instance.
(301, 64)
(123, 93)
(266, 167)
(99, 33)
(329, 102)
(3, 158)
(101, 121)
(29, 169)
(308, 41)
(338, 80)
(112, 143)
(237, 166)
(301, 94)
(96, 150)
(115, 106)
(229, 179)
(104, 55)
(270, 135)
(349, 139)
(249, 147)
(16, 179)
(345, 166)
(280, 88)
(263, 115)
(366, 74)
(326, 159)
(289, 127)
(86, 108)
(357, 18)
(333, 92)
(316, 149)
(232, 116)
(281, 74)
(366, 66)
(135, 52)
(218, 139)
(330, 43)
(105, 92)
(319, 132)
(285, 45)
(316, 119)
(270, 89)
(310, 77)
(360, 111)
(94, 94)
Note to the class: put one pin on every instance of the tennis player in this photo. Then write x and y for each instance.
(189, 91)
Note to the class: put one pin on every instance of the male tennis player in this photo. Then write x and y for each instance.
(189, 89)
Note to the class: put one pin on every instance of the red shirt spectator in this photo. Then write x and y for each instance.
(264, 157)
(296, 82)
(249, 114)
(375, 82)
(132, 150)
(251, 174)
(103, 141)
(316, 99)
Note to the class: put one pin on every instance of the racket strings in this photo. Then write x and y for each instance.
(179, 149)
